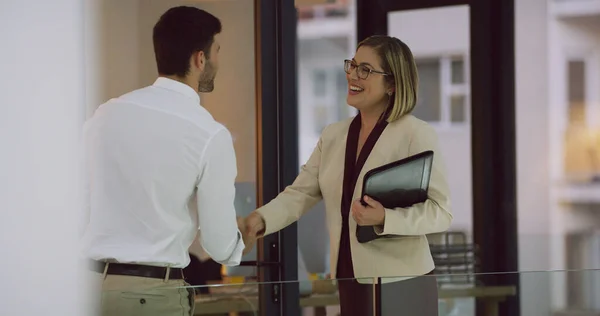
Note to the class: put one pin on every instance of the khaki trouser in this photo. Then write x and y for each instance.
(137, 296)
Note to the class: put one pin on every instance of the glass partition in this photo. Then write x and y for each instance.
(395, 295)
(439, 40)
(326, 36)
(237, 111)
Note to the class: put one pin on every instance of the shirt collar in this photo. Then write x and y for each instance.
(178, 87)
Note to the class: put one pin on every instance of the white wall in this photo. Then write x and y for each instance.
(41, 94)
(533, 137)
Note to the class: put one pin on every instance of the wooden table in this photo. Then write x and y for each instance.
(209, 304)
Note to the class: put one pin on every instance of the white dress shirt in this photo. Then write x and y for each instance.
(160, 171)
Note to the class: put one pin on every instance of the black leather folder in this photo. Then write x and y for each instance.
(401, 183)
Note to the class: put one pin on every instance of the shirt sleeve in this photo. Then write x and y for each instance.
(221, 238)
(297, 198)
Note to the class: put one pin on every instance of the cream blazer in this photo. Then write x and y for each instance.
(321, 178)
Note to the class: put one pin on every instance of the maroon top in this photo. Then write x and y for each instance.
(352, 169)
(355, 298)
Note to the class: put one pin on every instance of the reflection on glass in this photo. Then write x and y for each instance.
(325, 39)
(237, 112)
(439, 39)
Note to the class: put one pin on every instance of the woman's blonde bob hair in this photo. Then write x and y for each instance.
(398, 61)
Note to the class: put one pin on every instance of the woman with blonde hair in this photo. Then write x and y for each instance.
(382, 85)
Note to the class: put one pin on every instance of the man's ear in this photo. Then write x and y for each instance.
(199, 60)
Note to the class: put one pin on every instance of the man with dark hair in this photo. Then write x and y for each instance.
(186, 46)
(160, 171)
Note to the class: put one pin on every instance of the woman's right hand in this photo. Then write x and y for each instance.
(255, 225)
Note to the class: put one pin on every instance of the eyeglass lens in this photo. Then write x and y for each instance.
(361, 71)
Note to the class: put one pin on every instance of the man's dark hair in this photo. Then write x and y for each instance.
(179, 33)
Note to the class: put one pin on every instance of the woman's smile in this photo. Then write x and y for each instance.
(354, 89)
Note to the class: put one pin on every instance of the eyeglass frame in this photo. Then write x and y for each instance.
(356, 67)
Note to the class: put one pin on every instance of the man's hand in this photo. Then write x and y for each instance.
(248, 241)
(255, 225)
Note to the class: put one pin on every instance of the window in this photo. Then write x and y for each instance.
(457, 108)
(580, 155)
(428, 99)
(443, 90)
(458, 71)
(576, 91)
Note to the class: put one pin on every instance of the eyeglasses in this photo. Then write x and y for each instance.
(362, 71)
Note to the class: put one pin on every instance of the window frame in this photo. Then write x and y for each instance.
(590, 56)
(449, 89)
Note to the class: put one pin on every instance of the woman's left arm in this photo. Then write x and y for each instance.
(433, 215)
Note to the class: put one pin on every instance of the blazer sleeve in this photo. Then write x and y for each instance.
(297, 198)
(433, 215)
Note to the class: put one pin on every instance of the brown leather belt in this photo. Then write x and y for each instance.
(138, 270)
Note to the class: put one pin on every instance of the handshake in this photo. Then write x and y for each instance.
(251, 227)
